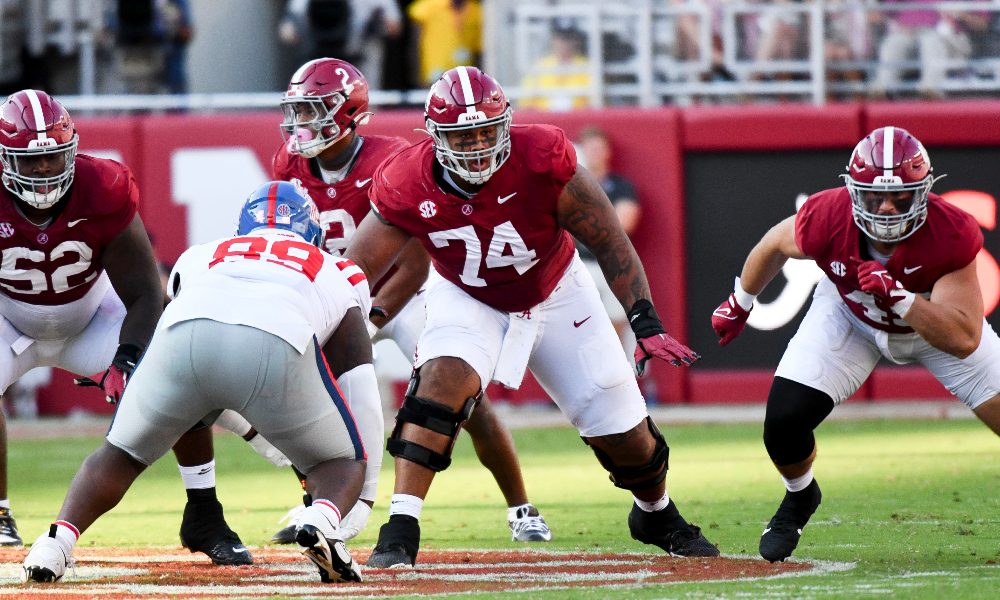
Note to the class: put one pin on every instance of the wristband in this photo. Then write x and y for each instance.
(905, 302)
(127, 357)
(643, 320)
(743, 298)
(378, 311)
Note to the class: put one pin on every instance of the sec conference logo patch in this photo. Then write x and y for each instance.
(428, 209)
(6, 230)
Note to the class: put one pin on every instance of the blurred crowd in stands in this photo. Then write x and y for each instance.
(556, 48)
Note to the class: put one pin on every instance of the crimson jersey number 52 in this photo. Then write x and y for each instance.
(504, 235)
(298, 256)
(35, 278)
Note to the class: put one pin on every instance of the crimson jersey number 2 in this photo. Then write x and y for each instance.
(504, 235)
(298, 256)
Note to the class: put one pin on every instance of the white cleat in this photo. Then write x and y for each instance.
(527, 525)
(46, 562)
(331, 556)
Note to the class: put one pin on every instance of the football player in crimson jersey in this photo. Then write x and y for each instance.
(331, 163)
(79, 283)
(901, 282)
(514, 193)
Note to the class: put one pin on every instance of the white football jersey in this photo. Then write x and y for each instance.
(271, 280)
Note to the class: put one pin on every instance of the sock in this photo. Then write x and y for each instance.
(66, 534)
(653, 506)
(404, 504)
(322, 515)
(360, 389)
(5, 503)
(799, 483)
(514, 512)
(198, 477)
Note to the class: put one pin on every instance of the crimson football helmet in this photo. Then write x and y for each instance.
(34, 125)
(889, 159)
(326, 99)
(466, 98)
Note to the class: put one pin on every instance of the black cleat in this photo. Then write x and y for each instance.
(204, 529)
(331, 556)
(8, 530)
(785, 528)
(398, 541)
(668, 530)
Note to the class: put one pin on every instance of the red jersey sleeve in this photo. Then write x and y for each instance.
(551, 153)
(967, 239)
(121, 198)
(809, 223)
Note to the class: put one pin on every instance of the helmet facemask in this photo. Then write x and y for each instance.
(889, 228)
(39, 192)
(310, 125)
(468, 165)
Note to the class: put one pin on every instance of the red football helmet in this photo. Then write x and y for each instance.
(326, 99)
(889, 160)
(36, 131)
(466, 98)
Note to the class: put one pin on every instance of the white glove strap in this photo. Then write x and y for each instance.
(903, 306)
(372, 330)
(743, 298)
(269, 452)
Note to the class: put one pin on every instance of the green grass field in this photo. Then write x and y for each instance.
(915, 504)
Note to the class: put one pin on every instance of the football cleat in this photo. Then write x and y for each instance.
(398, 541)
(331, 556)
(666, 529)
(527, 525)
(46, 562)
(8, 530)
(782, 533)
(204, 529)
(287, 535)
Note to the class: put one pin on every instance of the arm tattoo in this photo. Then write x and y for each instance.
(591, 219)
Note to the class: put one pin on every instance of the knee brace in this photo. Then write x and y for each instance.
(431, 415)
(641, 477)
(793, 411)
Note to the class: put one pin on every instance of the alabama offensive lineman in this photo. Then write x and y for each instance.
(78, 282)
(901, 282)
(495, 206)
(331, 163)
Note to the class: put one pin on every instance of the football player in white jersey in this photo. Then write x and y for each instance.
(267, 325)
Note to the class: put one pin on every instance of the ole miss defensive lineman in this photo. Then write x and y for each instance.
(495, 206)
(79, 288)
(329, 162)
(901, 282)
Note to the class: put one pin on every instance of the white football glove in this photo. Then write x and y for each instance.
(269, 452)
(355, 520)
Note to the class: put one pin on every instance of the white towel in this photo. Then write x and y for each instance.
(516, 349)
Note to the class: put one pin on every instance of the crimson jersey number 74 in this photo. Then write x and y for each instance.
(504, 235)
(298, 256)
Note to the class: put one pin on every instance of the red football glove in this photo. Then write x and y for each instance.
(116, 377)
(662, 346)
(729, 320)
(652, 340)
(875, 279)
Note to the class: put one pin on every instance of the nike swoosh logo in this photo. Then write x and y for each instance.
(724, 313)
(766, 530)
(908, 271)
(361, 184)
(72, 223)
(505, 198)
(577, 324)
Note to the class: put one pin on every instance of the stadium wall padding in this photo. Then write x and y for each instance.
(192, 169)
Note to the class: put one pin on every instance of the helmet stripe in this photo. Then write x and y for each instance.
(36, 108)
(888, 144)
(470, 101)
(272, 201)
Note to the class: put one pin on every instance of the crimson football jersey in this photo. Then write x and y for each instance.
(503, 246)
(344, 204)
(60, 263)
(825, 231)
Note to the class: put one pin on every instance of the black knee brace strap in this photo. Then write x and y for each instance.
(431, 415)
(793, 411)
(641, 477)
